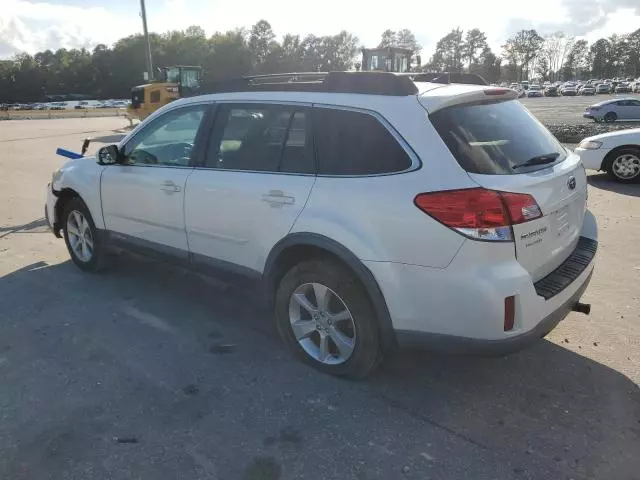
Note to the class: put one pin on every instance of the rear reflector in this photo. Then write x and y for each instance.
(479, 213)
(509, 313)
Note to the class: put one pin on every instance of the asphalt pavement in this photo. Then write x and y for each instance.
(152, 372)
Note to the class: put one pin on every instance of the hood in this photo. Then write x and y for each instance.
(631, 135)
(73, 162)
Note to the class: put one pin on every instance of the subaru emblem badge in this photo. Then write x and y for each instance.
(571, 183)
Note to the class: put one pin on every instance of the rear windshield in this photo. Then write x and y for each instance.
(497, 138)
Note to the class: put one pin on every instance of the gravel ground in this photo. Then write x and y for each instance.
(151, 372)
(566, 110)
(563, 116)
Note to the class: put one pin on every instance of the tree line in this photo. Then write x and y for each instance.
(110, 72)
(527, 55)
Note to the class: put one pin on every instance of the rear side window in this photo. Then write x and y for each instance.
(499, 138)
(354, 143)
(261, 138)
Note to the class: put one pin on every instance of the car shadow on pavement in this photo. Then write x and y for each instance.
(36, 226)
(544, 403)
(603, 182)
(546, 412)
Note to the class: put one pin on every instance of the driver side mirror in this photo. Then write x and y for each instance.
(109, 155)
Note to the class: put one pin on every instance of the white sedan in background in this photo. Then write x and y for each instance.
(617, 153)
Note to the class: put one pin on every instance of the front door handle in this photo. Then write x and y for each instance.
(170, 187)
(277, 198)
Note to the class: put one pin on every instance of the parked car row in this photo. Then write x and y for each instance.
(71, 105)
(573, 88)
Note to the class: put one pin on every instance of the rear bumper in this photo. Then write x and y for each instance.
(472, 346)
(460, 308)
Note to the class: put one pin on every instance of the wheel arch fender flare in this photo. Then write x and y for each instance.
(609, 157)
(322, 243)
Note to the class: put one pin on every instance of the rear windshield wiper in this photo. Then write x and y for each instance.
(538, 160)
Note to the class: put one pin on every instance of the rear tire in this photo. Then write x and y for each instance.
(623, 165)
(356, 352)
(84, 242)
(610, 117)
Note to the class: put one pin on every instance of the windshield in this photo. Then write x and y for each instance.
(493, 138)
(172, 74)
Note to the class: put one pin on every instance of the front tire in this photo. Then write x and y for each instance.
(81, 236)
(623, 165)
(610, 117)
(325, 317)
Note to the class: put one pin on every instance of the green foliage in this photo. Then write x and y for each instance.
(522, 49)
(475, 42)
(111, 72)
(449, 53)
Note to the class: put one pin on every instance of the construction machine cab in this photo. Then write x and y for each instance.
(187, 78)
(386, 59)
(177, 81)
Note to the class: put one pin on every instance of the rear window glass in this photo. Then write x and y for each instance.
(497, 138)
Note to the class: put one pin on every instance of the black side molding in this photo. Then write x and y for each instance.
(569, 270)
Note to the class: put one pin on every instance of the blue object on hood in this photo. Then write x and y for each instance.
(67, 153)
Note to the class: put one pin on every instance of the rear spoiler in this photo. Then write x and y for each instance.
(447, 78)
(465, 95)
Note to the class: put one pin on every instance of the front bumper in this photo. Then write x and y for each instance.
(50, 212)
(592, 158)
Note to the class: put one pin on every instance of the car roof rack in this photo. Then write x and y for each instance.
(370, 83)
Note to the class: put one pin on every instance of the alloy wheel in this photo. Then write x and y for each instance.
(322, 324)
(80, 237)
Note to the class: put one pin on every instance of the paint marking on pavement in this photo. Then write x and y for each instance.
(148, 319)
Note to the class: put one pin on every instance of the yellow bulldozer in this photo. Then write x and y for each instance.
(178, 81)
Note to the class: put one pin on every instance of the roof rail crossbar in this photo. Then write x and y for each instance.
(371, 83)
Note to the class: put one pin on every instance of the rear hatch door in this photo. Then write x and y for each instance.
(503, 147)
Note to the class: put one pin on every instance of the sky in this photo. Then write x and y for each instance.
(31, 26)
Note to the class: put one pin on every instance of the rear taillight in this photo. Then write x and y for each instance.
(479, 213)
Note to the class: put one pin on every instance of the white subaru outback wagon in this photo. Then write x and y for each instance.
(374, 211)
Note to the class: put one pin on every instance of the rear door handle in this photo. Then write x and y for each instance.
(170, 187)
(277, 198)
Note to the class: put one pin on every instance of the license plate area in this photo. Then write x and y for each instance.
(562, 219)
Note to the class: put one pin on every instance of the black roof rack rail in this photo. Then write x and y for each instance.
(371, 83)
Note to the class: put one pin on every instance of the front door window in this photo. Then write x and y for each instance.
(168, 140)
